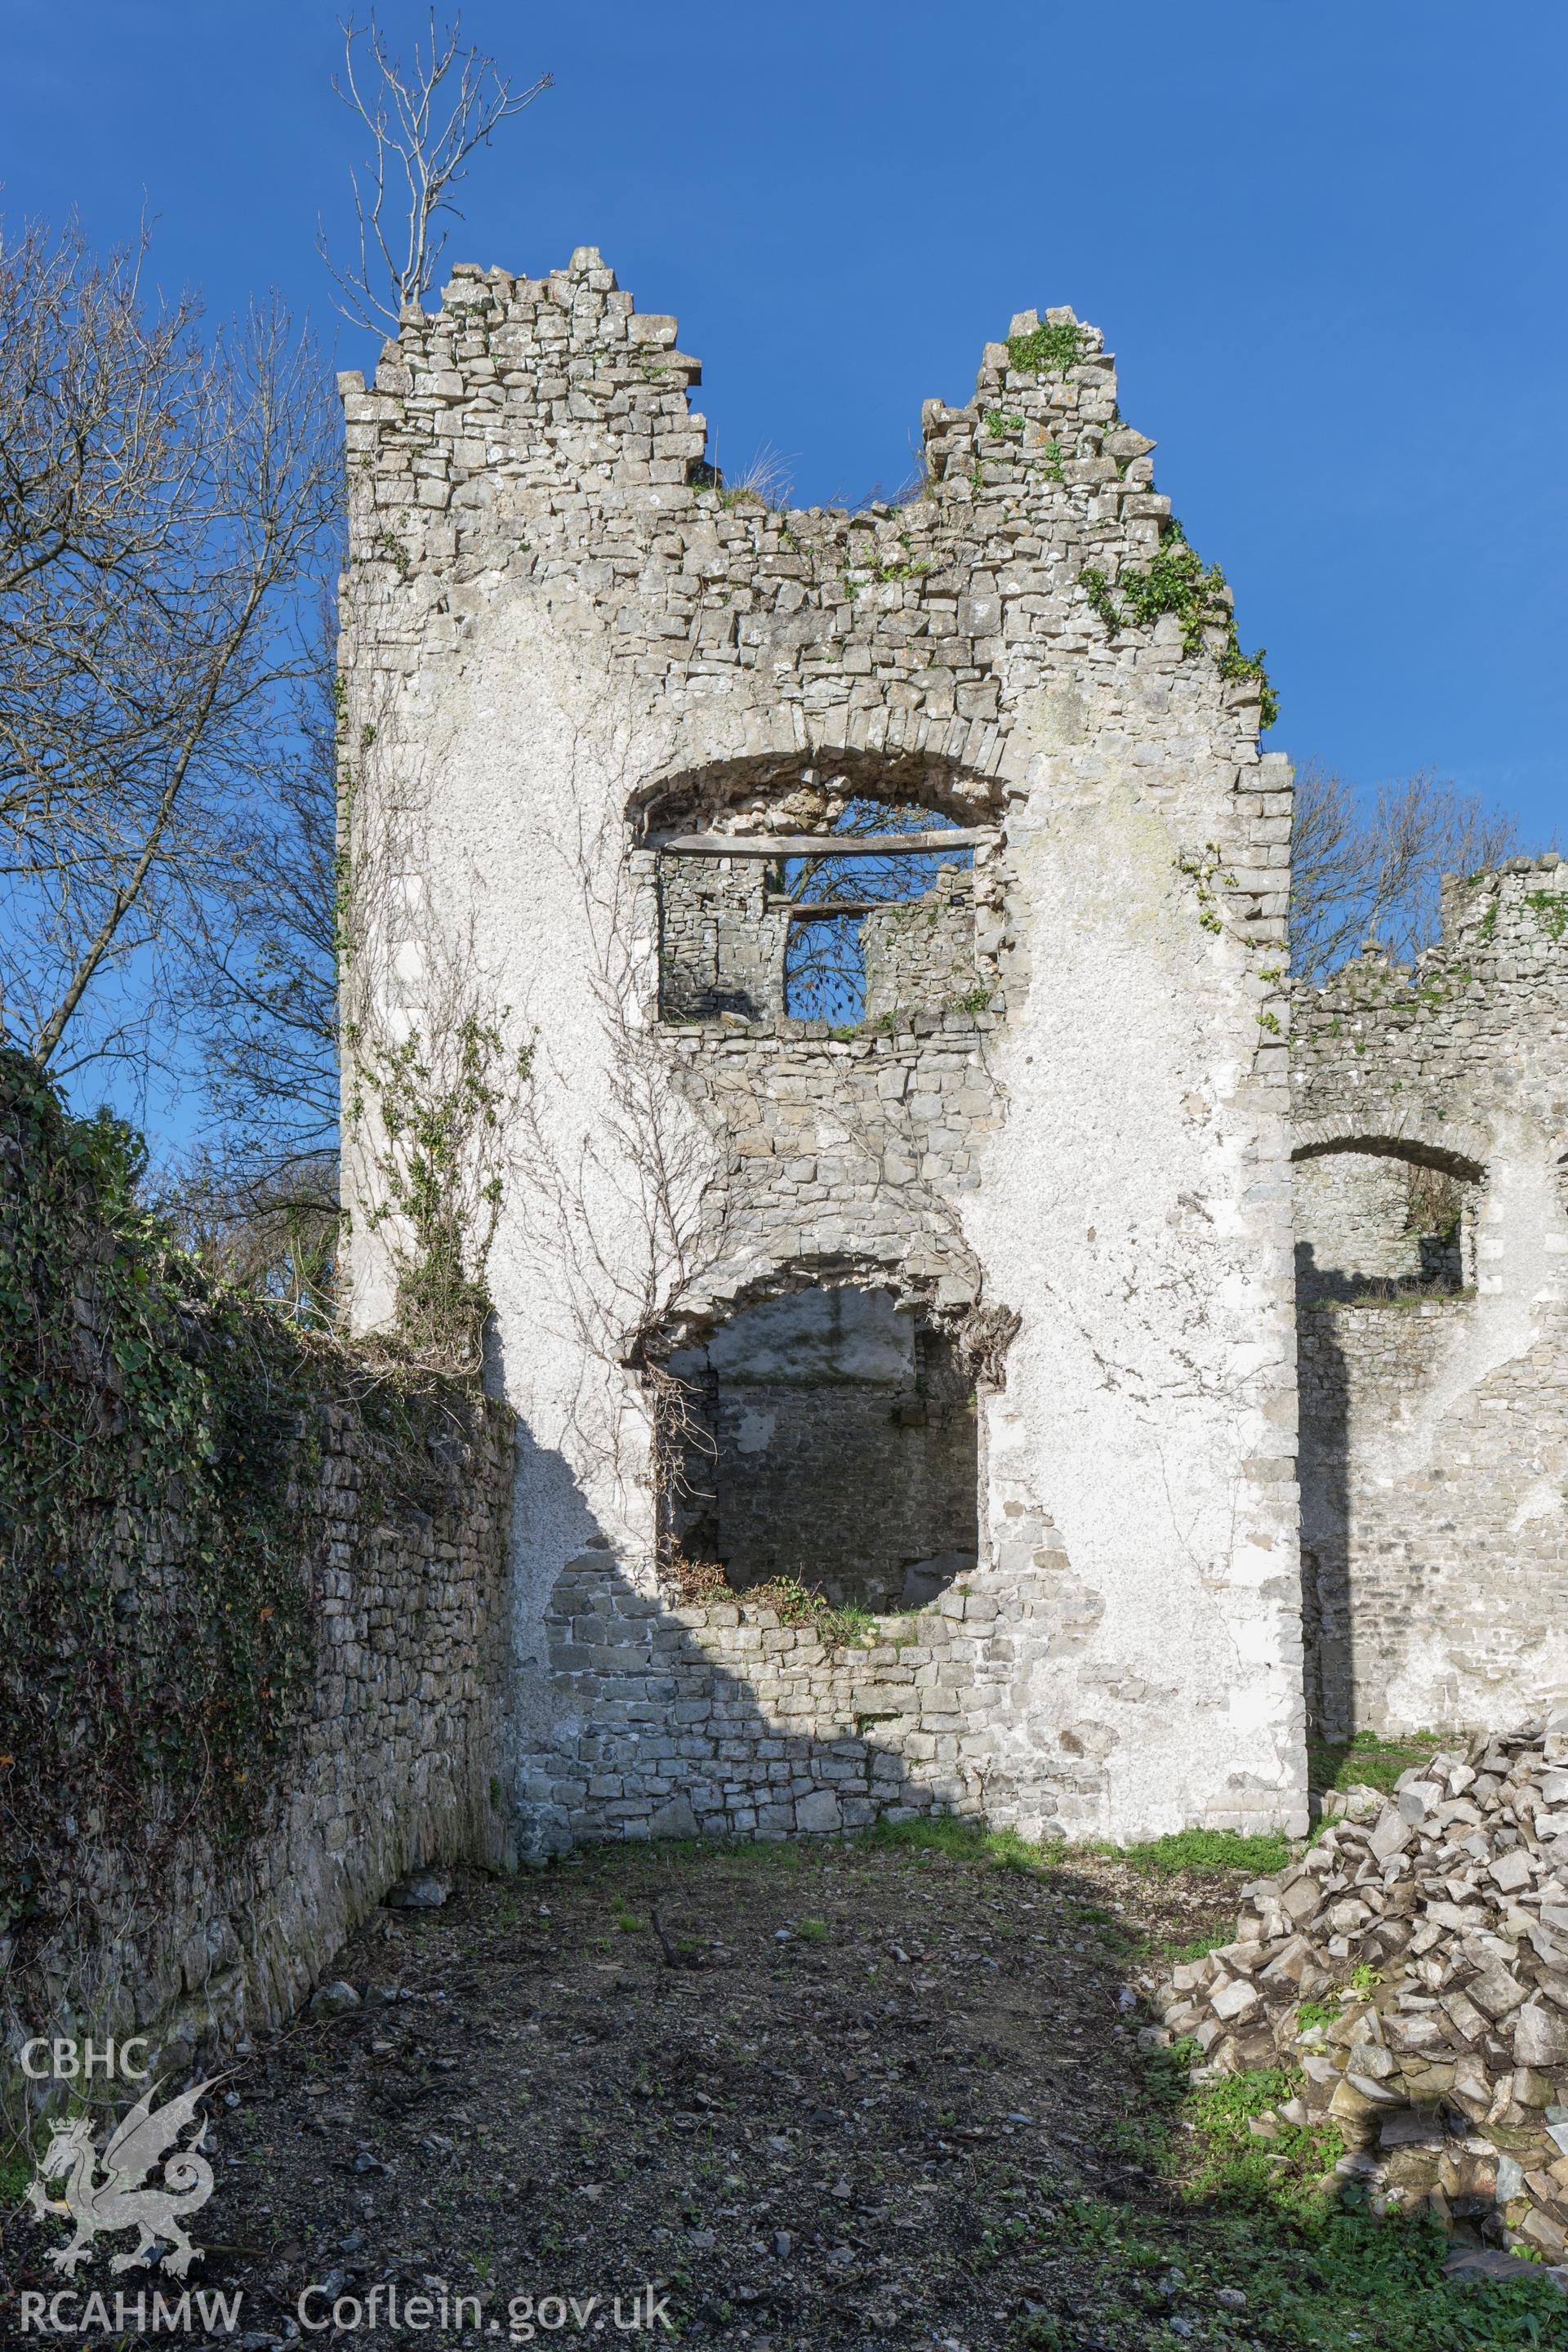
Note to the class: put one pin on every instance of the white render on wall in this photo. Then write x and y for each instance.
(1434, 1431)
(548, 634)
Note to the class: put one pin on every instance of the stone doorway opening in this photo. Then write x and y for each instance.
(1377, 1222)
(831, 1436)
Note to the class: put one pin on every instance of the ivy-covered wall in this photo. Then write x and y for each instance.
(252, 1620)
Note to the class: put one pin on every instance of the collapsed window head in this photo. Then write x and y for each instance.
(852, 927)
(830, 961)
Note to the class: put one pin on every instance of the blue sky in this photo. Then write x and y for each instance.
(1327, 242)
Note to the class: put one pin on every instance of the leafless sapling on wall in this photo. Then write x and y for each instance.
(426, 121)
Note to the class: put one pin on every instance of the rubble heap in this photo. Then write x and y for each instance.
(1414, 1964)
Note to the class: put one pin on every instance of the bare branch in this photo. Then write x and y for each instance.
(424, 121)
(1363, 867)
(261, 991)
(163, 504)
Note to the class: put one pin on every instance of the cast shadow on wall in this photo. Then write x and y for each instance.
(643, 1717)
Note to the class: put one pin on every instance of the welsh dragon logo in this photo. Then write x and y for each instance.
(116, 2198)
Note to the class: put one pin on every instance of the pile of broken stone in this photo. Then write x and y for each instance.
(1414, 1965)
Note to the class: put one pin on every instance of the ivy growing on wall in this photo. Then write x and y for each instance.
(1178, 580)
(443, 1109)
(155, 1618)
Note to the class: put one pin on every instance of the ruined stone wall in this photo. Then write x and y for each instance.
(393, 1764)
(920, 955)
(836, 1446)
(720, 944)
(1435, 1422)
(1364, 1223)
(717, 1719)
(847, 1489)
(255, 1618)
(561, 645)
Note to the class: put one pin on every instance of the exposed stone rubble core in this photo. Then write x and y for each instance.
(1448, 2077)
(564, 642)
(1433, 1335)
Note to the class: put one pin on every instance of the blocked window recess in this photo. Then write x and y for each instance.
(1378, 1222)
(851, 928)
(830, 1436)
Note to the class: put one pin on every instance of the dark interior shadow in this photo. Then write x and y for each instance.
(1327, 1621)
(829, 1439)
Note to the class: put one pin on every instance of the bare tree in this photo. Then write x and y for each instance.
(162, 505)
(426, 121)
(261, 990)
(274, 1235)
(258, 1199)
(86, 462)
(1370, 866)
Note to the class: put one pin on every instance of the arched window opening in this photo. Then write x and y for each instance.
(828, 1437)
(1377, 1226)
(830, 918)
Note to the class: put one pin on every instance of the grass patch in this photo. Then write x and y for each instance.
(1374, 1762)
(1207, 1850)
(1190, 1849)
(1199, 1948)
(813, 1931)
(1318, 2275)
(1229, 2162)
(964, 1841)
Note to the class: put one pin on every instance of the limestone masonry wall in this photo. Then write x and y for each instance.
(719, 1720)
(920, 954)
(566, 643)
(720, 944)
(1435, 1422)
(394, 1766)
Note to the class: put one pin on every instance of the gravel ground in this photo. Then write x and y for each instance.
(800, 2097)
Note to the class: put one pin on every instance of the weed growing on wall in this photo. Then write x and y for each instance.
(1201, 872)
(1050, 349)
(1551, 908)
(1179, 582)
(699, 1583)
